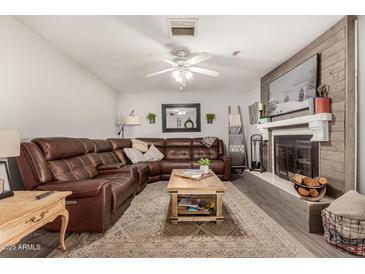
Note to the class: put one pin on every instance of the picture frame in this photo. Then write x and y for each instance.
(4, 177)
(181, 117)
(290, 92)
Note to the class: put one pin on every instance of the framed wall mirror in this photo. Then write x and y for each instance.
(181, 118)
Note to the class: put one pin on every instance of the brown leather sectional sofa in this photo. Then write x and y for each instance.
(102, 181)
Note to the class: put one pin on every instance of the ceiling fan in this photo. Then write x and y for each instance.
(183, 67)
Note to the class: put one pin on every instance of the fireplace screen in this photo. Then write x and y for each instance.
(295, 154)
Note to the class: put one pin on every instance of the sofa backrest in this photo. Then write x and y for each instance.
(174, 148)
(178, 149)
(201, 151)
(104, 153)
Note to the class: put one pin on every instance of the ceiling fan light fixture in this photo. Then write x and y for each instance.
(188, 74)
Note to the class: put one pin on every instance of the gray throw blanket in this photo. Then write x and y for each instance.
(208, 141)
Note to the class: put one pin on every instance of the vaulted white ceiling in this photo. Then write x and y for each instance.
(121, 50)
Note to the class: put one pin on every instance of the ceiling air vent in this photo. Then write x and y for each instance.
(182, 26)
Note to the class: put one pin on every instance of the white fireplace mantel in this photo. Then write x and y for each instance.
(317, 123)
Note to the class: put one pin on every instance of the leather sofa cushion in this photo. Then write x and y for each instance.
(118, 143)
(179, 142)
(110, 166)
(121, 156)
(89, 144)
(37, 163)
(216, 165)
(55, 148)
(72, 169)
(178, 153)
(103, 158)
(102, 145)
(205, 152)
(143, 171)
(167, 166)
(154, 168)
(80, 189)
(122, 189)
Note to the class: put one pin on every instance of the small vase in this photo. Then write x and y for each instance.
(322, 104)
(152, 120)
(205, 169)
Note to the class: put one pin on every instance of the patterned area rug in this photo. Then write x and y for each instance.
(144, 231)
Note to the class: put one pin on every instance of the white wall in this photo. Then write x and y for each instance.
(45, 93)
(216, 102)
(361, 104)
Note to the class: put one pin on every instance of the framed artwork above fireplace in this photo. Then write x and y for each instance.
(290, 91)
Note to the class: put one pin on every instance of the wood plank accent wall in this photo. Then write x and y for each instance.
(337, 69)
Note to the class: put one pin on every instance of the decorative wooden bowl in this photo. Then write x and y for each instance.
(321, 190)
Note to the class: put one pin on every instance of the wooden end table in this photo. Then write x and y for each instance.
(22, 214)
(211, 188)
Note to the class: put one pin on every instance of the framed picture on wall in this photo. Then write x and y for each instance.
(181, 118)
(291, 91)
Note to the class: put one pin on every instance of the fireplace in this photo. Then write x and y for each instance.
(295, 154)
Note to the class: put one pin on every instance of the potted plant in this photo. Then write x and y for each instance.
(204, 165)
(151, 117)
(322, 102)
(210, 117)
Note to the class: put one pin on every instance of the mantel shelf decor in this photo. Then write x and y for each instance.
(317, 123)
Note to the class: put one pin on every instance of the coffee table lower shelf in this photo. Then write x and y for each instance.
(184, 216)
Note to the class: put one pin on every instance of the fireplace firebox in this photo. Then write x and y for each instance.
(295, 154)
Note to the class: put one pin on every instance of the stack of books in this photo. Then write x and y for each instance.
(196, 205)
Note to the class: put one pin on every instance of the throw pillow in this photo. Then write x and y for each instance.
(134, 155)
(140, 145)
(153, 154)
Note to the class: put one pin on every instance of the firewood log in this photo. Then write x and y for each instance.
(322, 180)
(302, 191)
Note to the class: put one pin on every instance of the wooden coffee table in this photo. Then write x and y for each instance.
(210, 188)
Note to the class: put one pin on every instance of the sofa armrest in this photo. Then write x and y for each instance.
(80, 189)
(227, 166)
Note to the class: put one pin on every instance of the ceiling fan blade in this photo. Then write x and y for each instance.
(199, 58)
(204, 71)
(160, 72)
(172, 63)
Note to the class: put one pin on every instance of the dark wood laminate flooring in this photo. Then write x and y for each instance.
(312, 241)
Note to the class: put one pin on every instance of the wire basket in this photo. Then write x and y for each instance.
(343, 232)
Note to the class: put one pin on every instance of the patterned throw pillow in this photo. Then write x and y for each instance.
(140, 145)
(134, 155)
(153, 154)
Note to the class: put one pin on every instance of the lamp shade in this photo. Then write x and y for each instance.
(132, 121)
(9, 143)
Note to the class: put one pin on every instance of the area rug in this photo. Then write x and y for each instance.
(144, 231)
